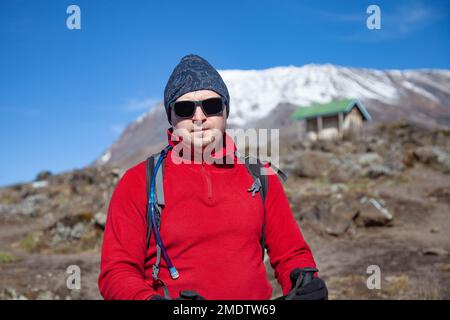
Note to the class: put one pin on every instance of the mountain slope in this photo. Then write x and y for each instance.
(266, 98)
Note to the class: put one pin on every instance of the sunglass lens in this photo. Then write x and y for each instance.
(212, 106)
(184, 109)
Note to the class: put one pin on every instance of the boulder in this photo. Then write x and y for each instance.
(372, 213)
(433, 156)
(344, 169)
(331, 217)
(314, 164)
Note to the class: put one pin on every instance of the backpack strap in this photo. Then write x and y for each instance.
(159, 192)
(260, 183)
(150, 165)
(159, 197)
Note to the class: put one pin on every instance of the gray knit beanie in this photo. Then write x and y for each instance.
(191, 74)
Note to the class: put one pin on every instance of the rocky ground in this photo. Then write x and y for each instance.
(382, 198)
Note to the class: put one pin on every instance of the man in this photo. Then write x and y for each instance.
(210, 225)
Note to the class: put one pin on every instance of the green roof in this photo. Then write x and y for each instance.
(331, 108)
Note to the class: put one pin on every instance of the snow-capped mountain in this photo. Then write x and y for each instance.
(266, 98)
(258, 92)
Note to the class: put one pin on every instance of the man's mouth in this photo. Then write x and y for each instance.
(200, 129)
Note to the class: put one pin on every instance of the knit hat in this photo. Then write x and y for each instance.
(191, 74)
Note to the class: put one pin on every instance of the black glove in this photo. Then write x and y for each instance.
(189, 295)
(306, 287)
(184, 295)
(158, 297)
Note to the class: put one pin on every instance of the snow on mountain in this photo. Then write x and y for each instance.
(416, 95)
(255, 93)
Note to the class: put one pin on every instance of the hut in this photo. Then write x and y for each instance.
(333, 120)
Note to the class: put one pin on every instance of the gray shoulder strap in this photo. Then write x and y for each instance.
(280, 173)
(159, 186)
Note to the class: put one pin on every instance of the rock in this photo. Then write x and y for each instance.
(47, 295)
(369, 159)
(441, 194)
(434, 157)
(31, 203)
(373, 165)
(11, 294)
(69, 230)
(393, 160)
(314, 164)
(80, 176)
(435, 252)
(43, 175)
(100, 219)
(61, 233)
(28, 207)
(372, 213)
(7, 209)
(338, 188)
(77, 231)
(340, 218)
(345, 169)
(118, 172)
(332, 218)
(375, 171)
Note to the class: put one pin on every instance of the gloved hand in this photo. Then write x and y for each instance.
(158, 297)
(189, 295)
(314, 290)
(184, 295)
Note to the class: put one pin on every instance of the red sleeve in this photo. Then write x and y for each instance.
(286, 246)
(124, 249)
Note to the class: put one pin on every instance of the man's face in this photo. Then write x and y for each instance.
(200, 130)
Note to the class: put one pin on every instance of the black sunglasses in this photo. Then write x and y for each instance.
(210, 107)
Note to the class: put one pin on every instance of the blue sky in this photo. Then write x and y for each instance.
(65, 95)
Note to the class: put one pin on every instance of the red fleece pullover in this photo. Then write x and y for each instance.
(211, 227)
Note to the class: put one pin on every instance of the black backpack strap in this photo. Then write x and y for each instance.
(260, 183)
(257, 170)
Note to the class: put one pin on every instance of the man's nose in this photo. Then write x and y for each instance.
(199, 115)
